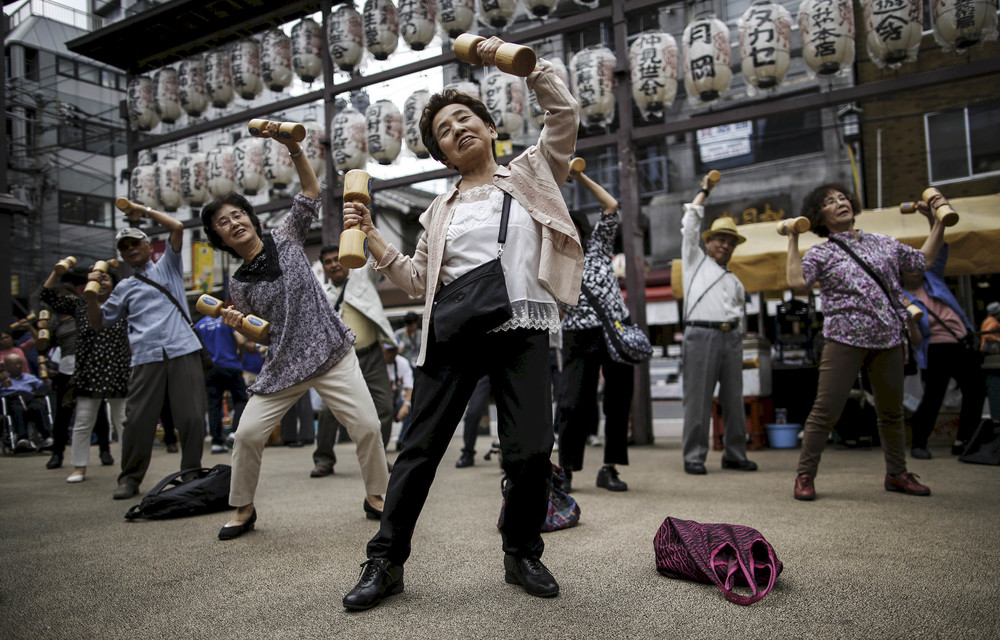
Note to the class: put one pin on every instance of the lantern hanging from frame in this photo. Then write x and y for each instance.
(827, 28)
(496, 13)
(540, 8)
(417, 22)
(279, 169)
(456, 16)
(536, 114)
(191, 89)
(765, 32)
(381, 26)
(413, 108)
(166, 98)
(245, 65)
(221, 171)
(894, 31)
(505, 99)
(960, 24)
(219, 78)
(707, 58)
(307, 50)
(167, 178)
(348, 143)
(653, 70)
(315, 150)
(345, 36)
(194, 178)
(142, 114)
(142, 184)
(593, 83)
(248, 164)
(384, 126)
(276, 60)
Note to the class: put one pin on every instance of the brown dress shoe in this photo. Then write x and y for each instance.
(907, 483)
(804, 489)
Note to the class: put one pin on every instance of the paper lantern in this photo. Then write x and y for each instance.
(827, 28)
(279, 169)
(248, 165)
(219, 78)
(505, 100)
(191, 86)
(141, 108)
(384, 125)
(960, 24)
(765, 31)
(467, 87)
(707, 57)
(653, 70)
(221, 172)
(413, 108)
(496, 13)
(307, 50)
(194, 178)
(381, 25)
(894, 31)
(456, 16)
(593, 82)
(535, 111)
(167, 178)
(347, 140)
(142, 185)
(315, 150)
(540, 8)
(417, 22)
(276, 60)
(245, 62)
(345, 35)
(166, 97)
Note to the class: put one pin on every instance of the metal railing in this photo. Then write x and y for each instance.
(59, 13)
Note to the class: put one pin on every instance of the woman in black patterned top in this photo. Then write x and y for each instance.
(103, 365)
(585, 356)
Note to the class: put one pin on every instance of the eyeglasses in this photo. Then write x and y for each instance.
(832, 200)
(224, 223)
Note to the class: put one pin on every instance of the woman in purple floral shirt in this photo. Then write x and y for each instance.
(861, 327)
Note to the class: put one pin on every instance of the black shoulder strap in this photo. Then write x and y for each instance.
(942, 323)
(166, 293)
(864, 265)
(504, 215)
(340, 298)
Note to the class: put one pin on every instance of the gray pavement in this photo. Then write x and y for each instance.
(859, 562)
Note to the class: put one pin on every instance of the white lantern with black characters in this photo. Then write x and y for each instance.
(191, 86)
(535, 111)
(314, 148)
(221, 171)
(960, 24)
(653, 70)
(381, 25)
(894, 31)
(467, 87)
(248, 165)
(707, 58)
(592, 71)
(307, 50)
(827, 28)
(167, 178)
(166, 97)
(413, 108)
(384, 126)
(279, 169)
(194, 178)
(245, 64)
(348, 142)
(142, 185)
(417, 22)
(276, 60)
(765, 31)
(142, 114)
(345, 36)
(496, 13)
(219, 78)
(505, 99)
(456, 16)
(540, 8)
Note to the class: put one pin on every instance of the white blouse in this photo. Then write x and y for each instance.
(471, 241)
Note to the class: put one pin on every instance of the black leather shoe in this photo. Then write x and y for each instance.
(55, 461)
(321, 471)
(229, 533)
(695, 468)
(531, 574)
(379, 579)
(107, 459)
(466, 460)
(371, 512)
(607, 478)
(741, 465)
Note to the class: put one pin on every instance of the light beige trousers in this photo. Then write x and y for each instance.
(343, 389)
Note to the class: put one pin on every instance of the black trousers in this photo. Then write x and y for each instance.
(944, 362)
(479, 406)
(62, 421)
(517, 363)
(585, 355)
(218, 380)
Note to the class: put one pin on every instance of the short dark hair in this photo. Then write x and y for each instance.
(212, 208)
(813, 203)
(411, 318)
(441, 100)
(329, 248)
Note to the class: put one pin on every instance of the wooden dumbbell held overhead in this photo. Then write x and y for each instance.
(252, 327)
(93, 287)
(44, 314)
(577, 165)
(353, 241)
(131, 210)
(278, 130)
(23, 321)
(65, 265)
(515, 59)
(943, 212)
(713, 178)
(800, 224)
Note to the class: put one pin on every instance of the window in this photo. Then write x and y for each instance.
(962, 143)
(31, 63)
(762, 140)
(81, 208)
(66, 67)
(82, 135)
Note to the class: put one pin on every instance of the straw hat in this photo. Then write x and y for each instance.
(726, 225)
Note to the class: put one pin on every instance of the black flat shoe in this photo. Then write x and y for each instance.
(379, 579)
(695, 468)
(740, 465)
(55, 461)
(607, 478)
(229, 533)
(371, 512)
(531, 574)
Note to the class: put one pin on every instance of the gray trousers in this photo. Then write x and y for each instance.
(179, 381)
(711, 356)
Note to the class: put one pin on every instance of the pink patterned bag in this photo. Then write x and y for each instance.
(726, 555)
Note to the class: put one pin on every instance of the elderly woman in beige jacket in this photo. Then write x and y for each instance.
(542, 263)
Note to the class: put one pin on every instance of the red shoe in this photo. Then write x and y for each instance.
(804, 489)
(907, 483)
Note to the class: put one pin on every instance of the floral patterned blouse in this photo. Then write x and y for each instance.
(599, 277)
(278, 285)
(855, 309)
(103, 358)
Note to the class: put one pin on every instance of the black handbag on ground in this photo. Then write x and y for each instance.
(475, 302)
(626, 342)
(172, 497)
(206, 356)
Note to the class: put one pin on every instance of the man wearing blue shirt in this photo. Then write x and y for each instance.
(25, 399)
(165, 360)
(226, 374)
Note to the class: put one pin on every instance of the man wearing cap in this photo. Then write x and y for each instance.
(353, 295)
(713, 338)
(166, 365)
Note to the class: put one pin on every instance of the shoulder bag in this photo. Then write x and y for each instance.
(564, 512)
(627, 343)
(477, 301)
(206, 356)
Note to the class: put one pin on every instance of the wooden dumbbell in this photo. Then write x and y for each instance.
(515, 59)
(44, 314)
(800, 224)
(283, 130)
(131, 210)
(93, 287)
(713, 178)
(944, 212)
(353, 241)
(577, 165)
(65, 265)
(44, 335)
(23, 321)
(753, 363)
(43, 370)
(252, 327)
(915, 312)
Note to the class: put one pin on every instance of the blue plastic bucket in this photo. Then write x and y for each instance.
(783, 436)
